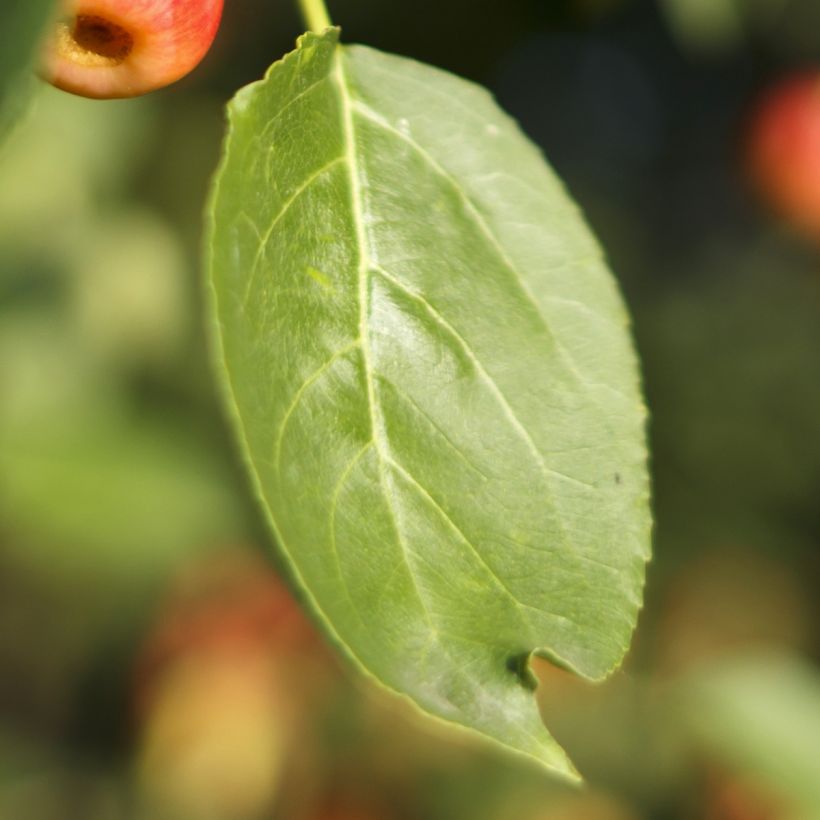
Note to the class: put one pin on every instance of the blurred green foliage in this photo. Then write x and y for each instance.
(714, 26)
(761, 714)
(92, 463)
(118, 483)
(21, 27)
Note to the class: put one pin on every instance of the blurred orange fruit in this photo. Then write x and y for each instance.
(226, 685)
(783, 152)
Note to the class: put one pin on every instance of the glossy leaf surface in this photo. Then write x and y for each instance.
(431, 373)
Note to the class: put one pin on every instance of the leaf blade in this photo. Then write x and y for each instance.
(398, 433)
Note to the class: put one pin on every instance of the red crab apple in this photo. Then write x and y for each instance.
(783, 151)
(123, 48)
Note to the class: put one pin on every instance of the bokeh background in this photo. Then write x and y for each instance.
(153, 665)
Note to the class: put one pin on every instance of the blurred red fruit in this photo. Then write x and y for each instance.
(123, 48)
(784, 150)
(227, 685)
(228, 605)
(352, 809)
(742, 798)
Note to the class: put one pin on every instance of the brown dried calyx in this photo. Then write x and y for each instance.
(94, 41)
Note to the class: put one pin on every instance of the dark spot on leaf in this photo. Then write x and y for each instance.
(519, 665)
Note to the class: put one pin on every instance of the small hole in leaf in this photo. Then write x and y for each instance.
(519, 665)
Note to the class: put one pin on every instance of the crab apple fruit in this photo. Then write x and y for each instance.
(783, 150)
(124, 48)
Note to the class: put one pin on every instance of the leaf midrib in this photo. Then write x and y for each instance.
(378, 432)
(379, 436)
(379, 439)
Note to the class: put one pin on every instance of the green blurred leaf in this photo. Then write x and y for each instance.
(760, 713)
(89, 481)
(102, 467)
(130, 299)
(66, 165)
(706, 24)
(21, 26)
(715, 26)
(432, 376)
(138, 492)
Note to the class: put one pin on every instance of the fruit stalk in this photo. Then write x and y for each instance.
(315, 15)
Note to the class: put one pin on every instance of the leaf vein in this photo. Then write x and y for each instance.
(373, 116)
(438, 429)
(300, 392)
(265, 237)
(377, 424)
(484, 375)
(518, 603)
(269, 124)
(334, 503)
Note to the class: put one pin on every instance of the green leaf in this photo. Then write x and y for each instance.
(431, 374)
(21, 27)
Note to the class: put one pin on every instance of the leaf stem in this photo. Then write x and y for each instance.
(315, 14)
